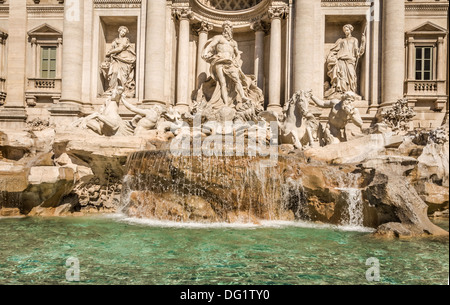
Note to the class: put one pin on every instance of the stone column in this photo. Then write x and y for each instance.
(183, 15)
(155, 50)
(202, 65)
(33, 57)
(13, 115)
(411, 59)
(3, 37)
(70, 106)
(393, 65)
(303, 61)
(260, 29)
(72, 66)
(441, 60)
(275, 14)
(59, 58)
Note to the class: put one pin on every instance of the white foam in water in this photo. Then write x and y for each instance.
(237, 225)
(312, 225)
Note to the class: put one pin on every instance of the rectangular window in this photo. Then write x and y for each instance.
(424, 63)
(48, 62)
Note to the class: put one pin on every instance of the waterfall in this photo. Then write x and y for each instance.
(238, 189)
(294, 198)
(205, 188)
(353, 216)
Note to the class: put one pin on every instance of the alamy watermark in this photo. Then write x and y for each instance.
(373, 273)
(227, 139)
(374, 12)
(73, 272)
(72, 11)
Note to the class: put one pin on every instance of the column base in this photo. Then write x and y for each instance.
(13, 117)
(182, 108)
(387, 104)
(275, 108)
(373, 109)
(153, 102)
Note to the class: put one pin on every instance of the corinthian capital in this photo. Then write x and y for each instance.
(277, 12)
(203, 27)
(182, 13)
(259, 26)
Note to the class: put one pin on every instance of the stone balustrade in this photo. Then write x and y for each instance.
(425, 88)
(44, 85)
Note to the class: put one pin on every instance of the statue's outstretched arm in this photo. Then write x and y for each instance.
(356, 118)
(321, 103)
(133, 108)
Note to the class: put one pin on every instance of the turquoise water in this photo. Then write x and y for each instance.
(116, 250)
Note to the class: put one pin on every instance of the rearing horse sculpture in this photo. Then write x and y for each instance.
(299, 123)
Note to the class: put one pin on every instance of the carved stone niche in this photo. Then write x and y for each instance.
(333, 32)
(109, 32)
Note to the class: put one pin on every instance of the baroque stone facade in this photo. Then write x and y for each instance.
(58, 60)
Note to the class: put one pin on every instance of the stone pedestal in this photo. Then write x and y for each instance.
(155, 52)
(393, 55)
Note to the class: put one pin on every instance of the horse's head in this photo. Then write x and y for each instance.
(299, 100)
(289, 105)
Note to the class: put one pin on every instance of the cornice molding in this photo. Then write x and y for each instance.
(117, 3)
(345, 3)
(434, 7)
(45, 9)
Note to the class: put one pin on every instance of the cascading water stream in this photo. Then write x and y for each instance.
(161, 186)
(210, 188)
(355, 208)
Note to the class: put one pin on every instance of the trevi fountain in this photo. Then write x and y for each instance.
(227, 188)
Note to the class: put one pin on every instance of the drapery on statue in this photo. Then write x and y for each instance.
(119, 66)
(342, 62)
(342, 112)
(229, 85)
(107, 121)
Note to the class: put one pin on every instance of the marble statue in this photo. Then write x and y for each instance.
(228, 85)
(107, 121)
(297, 124)
(118, 69)
(300, 123)
(156, 117)
(342, 112)
(342, 63)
